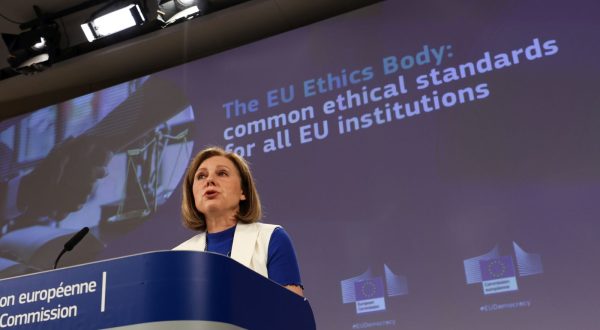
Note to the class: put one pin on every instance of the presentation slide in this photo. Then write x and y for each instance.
(437, 164)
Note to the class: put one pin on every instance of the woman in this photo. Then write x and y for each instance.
(220, 200)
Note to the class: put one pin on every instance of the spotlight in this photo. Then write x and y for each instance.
(174, 11)
(33, 50)
(113, 21)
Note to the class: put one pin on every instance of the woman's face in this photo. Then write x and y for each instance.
(217, 187)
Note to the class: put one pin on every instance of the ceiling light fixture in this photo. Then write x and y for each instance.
(113, 21)
(33, 50)
(174, 11)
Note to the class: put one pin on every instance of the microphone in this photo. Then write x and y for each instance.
(71, 243)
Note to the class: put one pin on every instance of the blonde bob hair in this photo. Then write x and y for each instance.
(250, 209)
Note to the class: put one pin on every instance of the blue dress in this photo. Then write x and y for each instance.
(282, 264)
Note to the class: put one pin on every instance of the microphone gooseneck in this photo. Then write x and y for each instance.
(71, 243)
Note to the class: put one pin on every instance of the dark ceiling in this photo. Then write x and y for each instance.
(86, 69)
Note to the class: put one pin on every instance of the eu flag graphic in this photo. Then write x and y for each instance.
(370, 295)
(498, 275)
(368, 292)
(496, 268)
(369, 289)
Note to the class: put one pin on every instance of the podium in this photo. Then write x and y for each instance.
(155, 290)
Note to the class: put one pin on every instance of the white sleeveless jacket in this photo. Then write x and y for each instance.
(250, 245)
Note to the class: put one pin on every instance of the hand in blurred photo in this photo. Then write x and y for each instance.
(62, 182)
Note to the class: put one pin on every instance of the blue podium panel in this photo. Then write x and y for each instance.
(156, 290)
